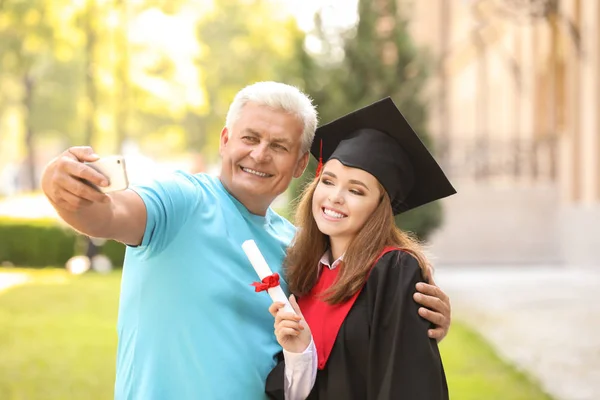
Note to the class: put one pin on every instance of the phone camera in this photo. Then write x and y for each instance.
(118, 161)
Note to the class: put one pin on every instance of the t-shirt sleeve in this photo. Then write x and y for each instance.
(169, 200)
(403, 361)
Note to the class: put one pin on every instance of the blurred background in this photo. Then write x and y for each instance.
(504, 92)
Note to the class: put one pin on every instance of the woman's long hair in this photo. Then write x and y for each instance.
(309, 245)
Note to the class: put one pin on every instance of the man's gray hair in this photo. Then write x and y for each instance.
(278, 96)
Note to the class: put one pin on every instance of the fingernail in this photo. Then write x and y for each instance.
(418, 296)
(104, 183)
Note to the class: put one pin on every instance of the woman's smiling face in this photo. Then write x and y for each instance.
(344, 199)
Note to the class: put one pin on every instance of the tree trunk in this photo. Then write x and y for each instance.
(29, 133)
(122, 74)
(90, 84)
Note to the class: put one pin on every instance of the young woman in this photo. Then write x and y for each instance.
(354, 272)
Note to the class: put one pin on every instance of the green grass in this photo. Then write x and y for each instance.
(58, 337)
(475, 372)
(58, 342)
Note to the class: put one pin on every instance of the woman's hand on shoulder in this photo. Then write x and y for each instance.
(291, 330)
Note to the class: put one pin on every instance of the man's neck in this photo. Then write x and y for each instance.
(255, 209)
(252, 206)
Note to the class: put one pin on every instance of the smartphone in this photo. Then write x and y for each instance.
(113, 168)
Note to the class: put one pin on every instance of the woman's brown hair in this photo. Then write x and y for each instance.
(309, 245)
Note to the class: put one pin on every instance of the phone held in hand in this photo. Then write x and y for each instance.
(113, 168)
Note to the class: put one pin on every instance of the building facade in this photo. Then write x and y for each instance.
(515, 98)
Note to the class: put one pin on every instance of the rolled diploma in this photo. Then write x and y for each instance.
(262, 270)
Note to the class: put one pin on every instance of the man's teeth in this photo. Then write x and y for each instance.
(332, 213)
(258, 173)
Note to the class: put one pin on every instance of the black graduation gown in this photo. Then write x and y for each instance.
(382, 350)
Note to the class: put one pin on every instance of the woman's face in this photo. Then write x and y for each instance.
(344, 199)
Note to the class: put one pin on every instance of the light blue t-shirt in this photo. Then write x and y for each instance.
(190, 324)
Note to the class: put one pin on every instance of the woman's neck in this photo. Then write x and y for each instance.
(338, 246)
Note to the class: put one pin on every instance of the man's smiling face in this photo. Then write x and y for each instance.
(260, 155)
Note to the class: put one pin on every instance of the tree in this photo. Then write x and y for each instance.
(379, 59)
(241, 42)
(125, 90)
(117, 104)
(35, 55)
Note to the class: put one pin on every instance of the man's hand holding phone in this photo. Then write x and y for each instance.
(113, 168)
(78, 178)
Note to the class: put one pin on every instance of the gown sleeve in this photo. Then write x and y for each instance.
(404, 363)
(275, 385)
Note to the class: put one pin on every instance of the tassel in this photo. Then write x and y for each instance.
(320, 165)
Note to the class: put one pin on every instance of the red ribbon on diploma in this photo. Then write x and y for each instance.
(268, 282)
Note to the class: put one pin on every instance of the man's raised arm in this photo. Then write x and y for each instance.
(119, 216)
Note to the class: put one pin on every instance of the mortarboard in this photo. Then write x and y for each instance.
(379, 140)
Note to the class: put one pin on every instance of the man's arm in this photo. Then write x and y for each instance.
(119, 216)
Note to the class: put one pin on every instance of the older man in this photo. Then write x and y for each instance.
(190, 325)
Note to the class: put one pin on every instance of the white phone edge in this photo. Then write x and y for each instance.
(113, 168)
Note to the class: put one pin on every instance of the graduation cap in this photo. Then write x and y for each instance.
(379, 140)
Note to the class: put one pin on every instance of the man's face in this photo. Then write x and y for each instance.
(260, 155)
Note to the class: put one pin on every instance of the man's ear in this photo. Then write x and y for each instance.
(301, 165)
(224, 139)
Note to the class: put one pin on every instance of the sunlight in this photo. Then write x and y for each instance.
(172, 36)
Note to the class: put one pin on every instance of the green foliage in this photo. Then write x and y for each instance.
(36, 63)
(299, 184)
(379, 59)
(83, 73)
(40, 243)
(35, 243)
(422, 221)
(67, 78)
(239, 47)
(27, 32)
(91, 79)
(115, 251)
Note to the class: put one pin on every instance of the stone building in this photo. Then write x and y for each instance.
(515, 95)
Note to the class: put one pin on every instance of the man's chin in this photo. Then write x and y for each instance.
(245, 187)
